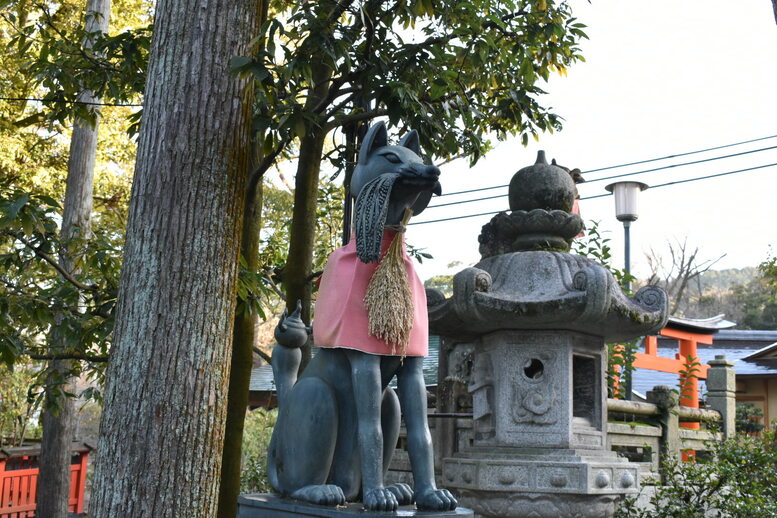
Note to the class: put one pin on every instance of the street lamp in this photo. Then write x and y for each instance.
(626, 211)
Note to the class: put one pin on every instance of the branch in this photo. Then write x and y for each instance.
(355, 117)
(46, 257)
(80, 48)
(342, 105)
(313, 276)
(335, 92)
(339, 9)
(35, 118)
(263, 355)
(456, 157)
(73, 356)
(268, 160)
(274, 287)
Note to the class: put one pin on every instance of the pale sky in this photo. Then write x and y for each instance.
(661, 78)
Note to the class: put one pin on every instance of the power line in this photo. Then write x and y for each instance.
(714, 175)
(687, 180)
(672, 166)
(467, 201)
(636, 163)
(66, 101)
(696, 179)
(681, 154)
(456, 217)
(683, 164)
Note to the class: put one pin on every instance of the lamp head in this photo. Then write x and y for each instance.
(626, 199)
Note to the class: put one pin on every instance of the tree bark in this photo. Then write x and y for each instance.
(58, 415)
(244, 337)
(162, 429)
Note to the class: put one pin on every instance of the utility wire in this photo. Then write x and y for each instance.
(67, 101)
(713, 175)
(696, 179)
(682, 164)
(681, 154)
(467, 201)
(637, 163)
(611, 177)
(456, 217)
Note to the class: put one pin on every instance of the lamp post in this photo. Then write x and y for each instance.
(626, 211)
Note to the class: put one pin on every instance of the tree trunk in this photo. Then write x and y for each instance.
(243, 340)
(302, 234)
(162, 429)
(57, 419)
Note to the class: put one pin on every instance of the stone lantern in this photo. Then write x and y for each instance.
(538, 319)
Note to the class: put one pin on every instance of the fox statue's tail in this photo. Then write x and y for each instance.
(291, 333)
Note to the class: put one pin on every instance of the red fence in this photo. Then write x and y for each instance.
(19, 480)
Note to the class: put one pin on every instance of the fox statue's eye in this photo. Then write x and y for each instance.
(391, 157)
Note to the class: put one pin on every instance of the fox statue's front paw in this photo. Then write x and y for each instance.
(380, 499)
(325, 494)
(435, 500)
(402, 492)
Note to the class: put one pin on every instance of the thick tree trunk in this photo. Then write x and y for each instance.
(244, 337)
(162, 429)
(58, 426)
(243, 340)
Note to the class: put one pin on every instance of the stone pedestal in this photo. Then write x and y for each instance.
(272, 506)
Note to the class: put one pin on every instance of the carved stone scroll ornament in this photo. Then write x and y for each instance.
(534, 391)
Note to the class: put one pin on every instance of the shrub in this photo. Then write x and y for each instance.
(739, 480)
(257, 431)
(748, 418)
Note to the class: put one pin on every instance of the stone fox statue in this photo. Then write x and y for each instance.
(339, 423)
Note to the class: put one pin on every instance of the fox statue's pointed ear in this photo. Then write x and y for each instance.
(376, 137)
(411, 142)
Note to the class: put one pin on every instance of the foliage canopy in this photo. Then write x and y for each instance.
(456, 72)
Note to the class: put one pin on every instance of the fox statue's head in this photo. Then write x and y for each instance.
(386, 181)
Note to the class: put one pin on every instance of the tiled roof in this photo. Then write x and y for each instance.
(262, 378)
(770, 351)
(736, 345)
(700, 325)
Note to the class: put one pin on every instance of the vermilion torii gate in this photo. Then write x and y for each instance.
(689, 333)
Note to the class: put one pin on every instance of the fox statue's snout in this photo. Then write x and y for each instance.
(425, 177)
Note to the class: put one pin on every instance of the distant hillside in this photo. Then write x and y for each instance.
(738, 293)
(724, 280)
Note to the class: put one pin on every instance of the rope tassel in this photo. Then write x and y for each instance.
(389, 300)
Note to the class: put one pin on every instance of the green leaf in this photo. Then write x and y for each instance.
(238, 63)
(10, 210)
